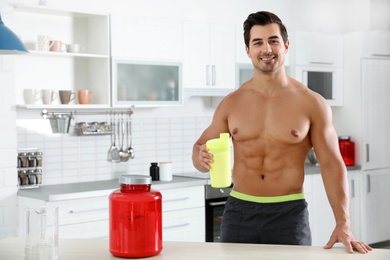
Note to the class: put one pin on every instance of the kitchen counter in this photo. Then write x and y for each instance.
(99, 188)
(74, 249)
(104, 188)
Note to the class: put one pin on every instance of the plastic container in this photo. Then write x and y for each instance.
(347, 150)
(220, 168)
(135, 218)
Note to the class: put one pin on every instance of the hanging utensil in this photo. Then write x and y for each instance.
(113, 149)
(123, 152)
(123, 155)
(130, 149)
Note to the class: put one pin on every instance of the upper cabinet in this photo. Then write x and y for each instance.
(80, 61)
(318, 49)
(318, 63)
(148, 38)
(208, 58)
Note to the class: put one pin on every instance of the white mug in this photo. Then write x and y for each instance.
(48, 96)
(165, 171)
(31, 96)
(74, 48)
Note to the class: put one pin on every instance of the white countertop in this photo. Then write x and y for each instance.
(83, 249)
(104, 188)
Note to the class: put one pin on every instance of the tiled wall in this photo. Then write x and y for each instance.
(68, 158)
(8, 180)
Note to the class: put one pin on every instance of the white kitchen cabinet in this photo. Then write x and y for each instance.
(77, 218)
(146, 38)
(376, 205)
(183, 215)
(355, 201)
(321, 217)
(375, 96)
(87, 69)
(208, 57)
(313, 48)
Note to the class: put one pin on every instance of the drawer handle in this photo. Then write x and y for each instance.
(86, 210)
(178, 199)
(177, 226)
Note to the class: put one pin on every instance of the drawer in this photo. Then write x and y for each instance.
(95, 229)
(81, 210)
(184, 225)
(183, 198)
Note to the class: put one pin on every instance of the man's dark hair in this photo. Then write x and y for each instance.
(262, 18)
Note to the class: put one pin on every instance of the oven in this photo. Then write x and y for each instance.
(215, 205)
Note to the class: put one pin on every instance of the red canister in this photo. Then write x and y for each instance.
(347, 150)
(135, 218)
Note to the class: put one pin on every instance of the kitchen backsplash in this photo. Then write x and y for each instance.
(69, 158)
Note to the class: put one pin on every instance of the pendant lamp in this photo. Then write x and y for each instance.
(10, 42)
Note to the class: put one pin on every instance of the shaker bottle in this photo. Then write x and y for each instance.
(135, 217)
(220, 168)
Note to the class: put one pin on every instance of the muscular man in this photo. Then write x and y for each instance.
(274, 121)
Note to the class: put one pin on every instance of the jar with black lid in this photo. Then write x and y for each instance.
(135, 217)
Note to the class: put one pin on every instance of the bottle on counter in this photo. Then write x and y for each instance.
(347, 150)
(154, 171)
(135, 217)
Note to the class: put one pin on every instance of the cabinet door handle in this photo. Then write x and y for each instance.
(207, 75)
(368, 183)
(86, 210)
(367, 152)
(213, 75)
(177, 226)
(321, 63)
(353, 188)
(178, 199)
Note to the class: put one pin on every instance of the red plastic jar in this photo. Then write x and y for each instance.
(347, 150)
(135, 218)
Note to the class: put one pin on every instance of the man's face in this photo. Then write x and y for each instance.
(266, 47)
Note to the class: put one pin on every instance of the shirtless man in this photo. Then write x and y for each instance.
(274, 121)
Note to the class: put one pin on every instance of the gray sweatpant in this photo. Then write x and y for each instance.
(284, 223)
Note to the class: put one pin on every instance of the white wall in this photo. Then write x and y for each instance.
(162, 125)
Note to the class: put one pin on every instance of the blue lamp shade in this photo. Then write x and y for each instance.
(10, 42)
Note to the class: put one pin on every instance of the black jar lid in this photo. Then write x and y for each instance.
(135, 179)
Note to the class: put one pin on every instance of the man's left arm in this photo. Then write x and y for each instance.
(334, 175)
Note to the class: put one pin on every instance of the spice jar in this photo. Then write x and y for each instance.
(31, 159)
(135, 217)
(39, 159)
(23, 160)
(347, 150)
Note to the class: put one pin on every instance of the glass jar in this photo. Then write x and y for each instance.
(39, 159)
(23, 160)
(347, 150)
(31, 159)
(135, 217)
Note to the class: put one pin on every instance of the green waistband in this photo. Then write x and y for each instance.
(273, 199)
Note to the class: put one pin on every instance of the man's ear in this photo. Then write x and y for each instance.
(247, 51)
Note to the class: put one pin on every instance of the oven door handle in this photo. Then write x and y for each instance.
(219, 203)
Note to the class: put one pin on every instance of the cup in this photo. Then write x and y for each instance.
(220, 168)
(74, 47)
(31, 96)
(57, 46)
(84, 96)
(43, 43)
(48, 96)
(66, 96)
(165, 171)
(41, 233)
